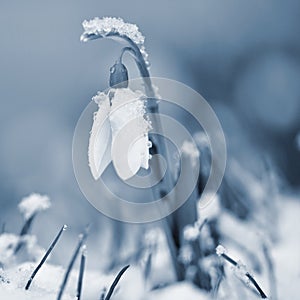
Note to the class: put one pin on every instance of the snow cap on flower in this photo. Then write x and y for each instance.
(119, 133)
(34, 203)
(111, 27)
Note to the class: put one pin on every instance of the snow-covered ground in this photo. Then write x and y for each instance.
(240, 240)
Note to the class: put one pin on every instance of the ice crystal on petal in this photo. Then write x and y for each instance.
(108, 26)
(33, 204)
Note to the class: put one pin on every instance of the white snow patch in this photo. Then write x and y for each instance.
(33, 204)
(182, 290)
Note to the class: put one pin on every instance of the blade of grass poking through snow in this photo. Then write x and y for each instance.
(114, 284)
(103, 293)
(81, 272)
(30, 206)
(81, 240)
(221, 251)
(63, 228)
(25, 229)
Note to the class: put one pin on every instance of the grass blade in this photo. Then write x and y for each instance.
(114, 284)
(82, 238)
(25, 229)
(45, 256)
(81, 272)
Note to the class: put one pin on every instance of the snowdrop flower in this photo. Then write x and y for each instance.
(119, 133)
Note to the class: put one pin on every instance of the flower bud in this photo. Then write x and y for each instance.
(118, 75)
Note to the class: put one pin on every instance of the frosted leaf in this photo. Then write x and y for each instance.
(221, 250)
(119, 133)
(109, 26)
(100, 137)
(33, 204)
(190, 233)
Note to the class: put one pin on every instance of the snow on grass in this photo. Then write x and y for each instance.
(8, 243)
(47, 283)
(34, 203)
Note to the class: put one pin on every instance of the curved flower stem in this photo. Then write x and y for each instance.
(143, 69)
(159, 143)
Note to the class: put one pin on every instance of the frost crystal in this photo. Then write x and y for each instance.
(33, 204)
(119, 133)
(220, 250)
(114, 26)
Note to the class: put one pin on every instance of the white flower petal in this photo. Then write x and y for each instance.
(121, 146)
(100, 138)
(130, 143)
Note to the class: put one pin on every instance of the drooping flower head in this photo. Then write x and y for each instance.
(119, 133)
(120, 128)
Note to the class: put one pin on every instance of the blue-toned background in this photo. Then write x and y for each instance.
(242, 56)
